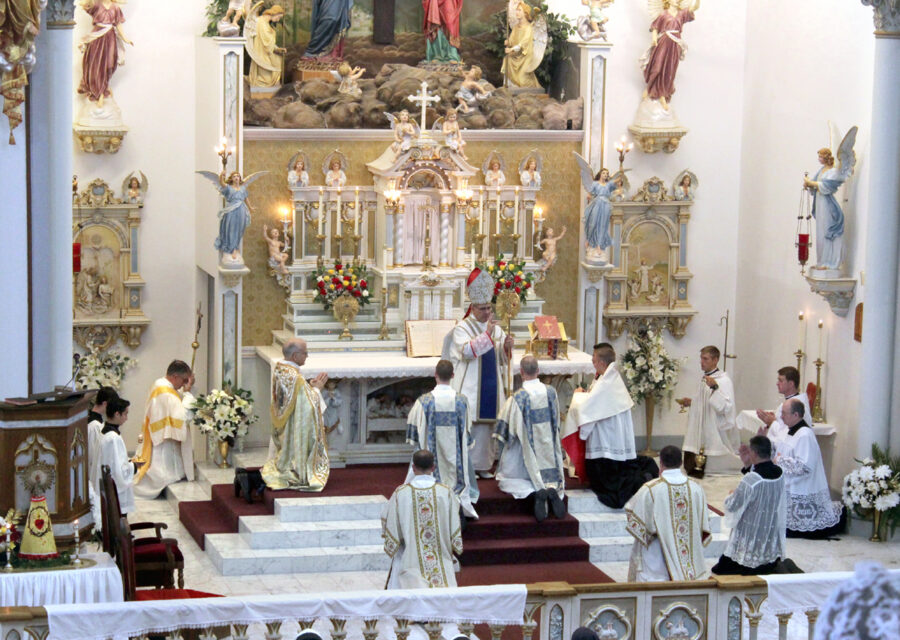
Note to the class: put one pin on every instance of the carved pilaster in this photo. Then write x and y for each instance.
(886, 16)
(60, 14)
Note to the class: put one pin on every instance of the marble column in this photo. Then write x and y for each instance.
(51, 151)
(879, 413)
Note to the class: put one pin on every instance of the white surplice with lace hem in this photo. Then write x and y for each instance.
(809, 504)
(756, 514)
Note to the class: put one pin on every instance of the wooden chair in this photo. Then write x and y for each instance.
(155, 560)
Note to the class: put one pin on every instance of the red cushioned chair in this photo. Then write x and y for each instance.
(155, 559)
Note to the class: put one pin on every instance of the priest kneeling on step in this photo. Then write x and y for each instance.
(755, 512)
(669, 520)
(531, 461)
(421, 530)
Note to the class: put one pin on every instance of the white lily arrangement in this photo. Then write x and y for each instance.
(227, 413)
(647, 368)
(871, 486)
(101, 369)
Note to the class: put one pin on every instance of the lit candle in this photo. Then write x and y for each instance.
(321, 211)
(821, 332)
(339, 227)
(516, 213)
(801, 336)
(473, 255)
(498, 210)
(357, 212)
(481, 211)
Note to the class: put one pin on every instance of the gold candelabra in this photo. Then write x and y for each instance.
(479, 242)
(817, 414)
(320, 259)
(497, 238)
(426, 261)
(384, 334)
(515, 238)
(356, 239)
(799, 355)
(623, 148)
(224, 152)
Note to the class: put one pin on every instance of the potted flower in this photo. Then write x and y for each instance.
(874, 490)
(227, 414)
(101, 369)
(343, 288)
(509, 275)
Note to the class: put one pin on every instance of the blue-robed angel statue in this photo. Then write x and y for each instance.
(826, 210)
(234, 218)
(598, 211)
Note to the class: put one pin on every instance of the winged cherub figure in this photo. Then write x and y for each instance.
(134, 189)
(405, 130)
(234, 217)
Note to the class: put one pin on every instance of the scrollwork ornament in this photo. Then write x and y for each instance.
(60, 14)
(886, 16)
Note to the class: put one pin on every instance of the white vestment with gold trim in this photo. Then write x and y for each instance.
(167, 450)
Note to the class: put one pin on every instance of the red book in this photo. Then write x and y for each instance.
(547, 327)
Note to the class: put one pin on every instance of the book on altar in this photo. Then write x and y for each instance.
(425, 338)
(547, 327)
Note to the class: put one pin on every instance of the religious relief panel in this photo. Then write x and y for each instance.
(106, 280)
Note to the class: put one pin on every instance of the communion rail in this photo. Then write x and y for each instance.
(721, 608)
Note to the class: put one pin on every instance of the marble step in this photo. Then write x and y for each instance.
(329, 509)
(232, 556)
(585, 501)
(269, 532)
(604, 525)
(618, 548)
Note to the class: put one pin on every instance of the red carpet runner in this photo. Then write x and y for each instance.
(505, 545)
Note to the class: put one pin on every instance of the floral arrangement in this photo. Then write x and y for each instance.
(7, 525)
(333, 282)
(647, 367)
(874, 485)
(96, 369)
(227, 413)
(509, 274)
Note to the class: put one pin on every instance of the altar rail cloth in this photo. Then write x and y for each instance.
(802, 592)
(500, 605)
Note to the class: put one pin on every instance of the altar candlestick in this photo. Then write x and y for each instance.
(77, 559)
(516, 213)
(821, 325)
(481, 211)
(472, 259)
(321, 211)
(801, 335)
(498, 210)
(356, 212)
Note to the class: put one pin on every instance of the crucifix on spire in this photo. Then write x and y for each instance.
(423, 98)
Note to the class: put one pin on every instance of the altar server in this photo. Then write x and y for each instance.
(114, 455)
(531, 459)
(669, 521)
(788, 384)
(421, 530)
(712, 421)
(298, 454)
(479, 350)
(166, 437)
(810, 511)
(599, 434)
(439, 421)
(96, 418)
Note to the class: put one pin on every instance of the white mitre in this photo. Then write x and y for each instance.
(480, 287)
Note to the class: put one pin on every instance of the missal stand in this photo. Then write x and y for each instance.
(43, 441)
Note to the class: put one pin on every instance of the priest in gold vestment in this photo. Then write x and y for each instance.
(266, 58)
(298, 458)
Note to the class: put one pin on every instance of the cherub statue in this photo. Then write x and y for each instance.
(593, 25)
(228, 25)
(404, 131)
(277, 256)
(526, 44)
(334, 168)
(472, 90)
(348, 78)
(333, 398)
(100, 48)
(684, 186)
(493, 170)
(452, 136)
(530, 170)
(134, 190)
(825, 209)
(234, 217)
(598, 212)
(297, 174)
(660, 61)
(548, 246)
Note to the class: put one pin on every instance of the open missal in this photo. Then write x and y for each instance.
(425, 338)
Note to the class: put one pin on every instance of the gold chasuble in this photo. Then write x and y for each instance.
(298, 433)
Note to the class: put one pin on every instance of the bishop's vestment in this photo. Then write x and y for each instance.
(421, 531)
(669, 520)
(439, 422)
(167, 450)
(298, 458)
(528, 430)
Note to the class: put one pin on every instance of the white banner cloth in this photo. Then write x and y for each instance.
(801, 592)
(500, 604)
(99, 583)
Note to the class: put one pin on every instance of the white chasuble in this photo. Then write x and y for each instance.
(528, 430)
(298, 456)
(479, 367)
(420, 526)
(167, 450)
(672, 510)
(712, 421)
(602, 418)
(439, 422)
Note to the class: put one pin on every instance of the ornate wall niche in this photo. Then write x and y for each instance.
(106, 278)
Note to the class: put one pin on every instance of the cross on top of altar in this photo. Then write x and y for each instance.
(423, 98)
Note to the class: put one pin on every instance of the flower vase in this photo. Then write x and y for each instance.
(876, 526)
(224, 448)
(649, 410)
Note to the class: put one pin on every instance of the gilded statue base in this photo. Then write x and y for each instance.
(99, 140)
(653, 140)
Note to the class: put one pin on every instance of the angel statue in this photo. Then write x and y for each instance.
(684, 186)
(335, 176)
(266, 57)
(103, 48)
(134, 189)
(277, 256)
(452, 135)
(548, 247)
(530, 170)
(660, 61)
(598, 211)
(404, 131)
(825, 208)
(234, 218)
(593, 25)
(297, 175)
(492, 169)
(525, 46)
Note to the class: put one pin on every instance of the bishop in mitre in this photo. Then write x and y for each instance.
(298, 458)
(479, 350)
(167, 452)
(421, 530)
(669, 521)
(531, 459)
(439, 421)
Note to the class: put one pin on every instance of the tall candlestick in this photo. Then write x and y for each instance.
(801, 335)
(516, 213)
(481, 211)
(357, 212)
(321, 211)
(498, 210)
(473, 255)
(384, 258)
(821, 325)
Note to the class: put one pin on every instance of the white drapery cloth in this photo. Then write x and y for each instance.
(801, 592)
(500, 604)
(417, 210)
(756, 513)
(99, 583)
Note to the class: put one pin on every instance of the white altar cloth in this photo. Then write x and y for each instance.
(99, 583)
(395, 364)
(500, 604)
(801, 592)
(748, 421)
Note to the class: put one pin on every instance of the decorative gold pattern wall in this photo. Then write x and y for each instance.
(264, 300)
